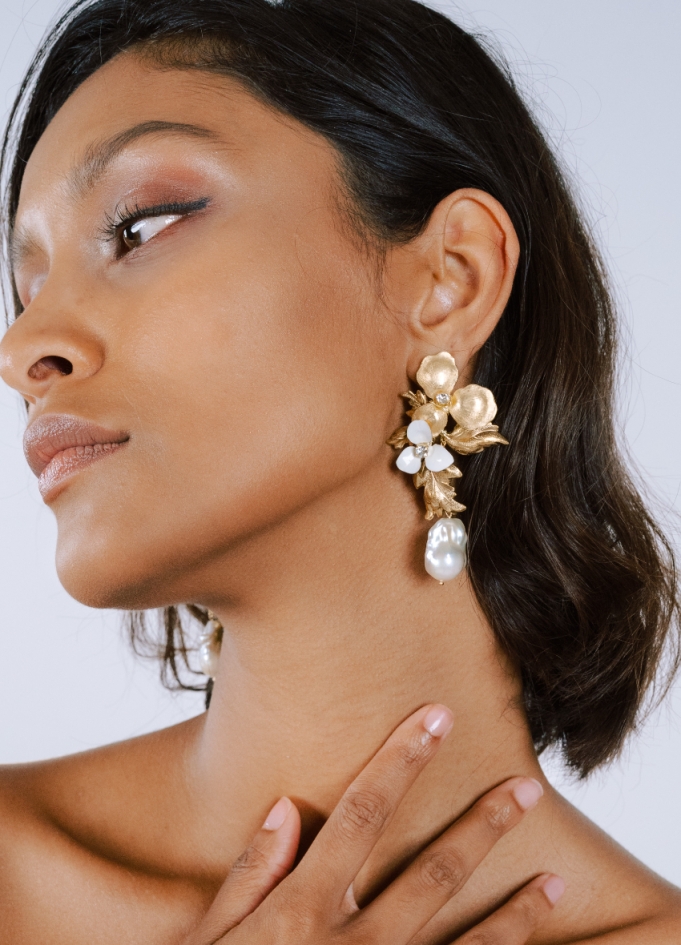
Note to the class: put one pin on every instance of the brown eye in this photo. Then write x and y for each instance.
(141, 231)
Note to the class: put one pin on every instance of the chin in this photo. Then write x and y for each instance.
(105, 588)
(108, 571)
(114, 561)
(93, 581)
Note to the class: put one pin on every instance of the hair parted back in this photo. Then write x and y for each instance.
(575, 577)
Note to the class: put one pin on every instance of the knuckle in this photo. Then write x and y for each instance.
(250, 861)
(414, 752)
(360, 931)
(302, 926)
(497, 815)
(443, 869)
(295, 919)
(363, 812)
(481, 937)
(528, 909)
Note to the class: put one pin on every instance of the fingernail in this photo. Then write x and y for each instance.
(277, 815)
(554, 887)
(527, 793)
(438, 721)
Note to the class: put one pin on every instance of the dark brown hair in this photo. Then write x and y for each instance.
(572, 572)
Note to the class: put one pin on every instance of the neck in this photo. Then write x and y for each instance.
(333, 635)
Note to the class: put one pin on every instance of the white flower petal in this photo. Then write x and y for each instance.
(438, 458)
(419, 432)
(407, 461)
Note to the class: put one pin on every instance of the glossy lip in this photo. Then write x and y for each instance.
(59, 445)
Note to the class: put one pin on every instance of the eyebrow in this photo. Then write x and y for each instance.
(84, 176)
(99, 156)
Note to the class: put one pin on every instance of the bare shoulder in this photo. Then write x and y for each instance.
(612, 898)
(664, 928)
(68, 825)
(91, 784)
(652, 903)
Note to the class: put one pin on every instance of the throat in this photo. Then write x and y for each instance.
(325, 651)
(301, 716)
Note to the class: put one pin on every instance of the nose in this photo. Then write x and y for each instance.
(40, 351)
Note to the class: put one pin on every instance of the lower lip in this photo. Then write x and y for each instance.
(66, 464)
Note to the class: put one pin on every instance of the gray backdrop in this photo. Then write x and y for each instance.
(605, 78)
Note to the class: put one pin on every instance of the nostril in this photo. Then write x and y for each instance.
(52, 364)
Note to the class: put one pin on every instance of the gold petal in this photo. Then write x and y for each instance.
(438, 372)
(473, 407)
(435, 417)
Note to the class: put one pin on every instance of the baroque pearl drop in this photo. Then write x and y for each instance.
(207, 633)
(209, 655)
(446, 549)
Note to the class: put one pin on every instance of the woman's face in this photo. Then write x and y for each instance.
(190, 284)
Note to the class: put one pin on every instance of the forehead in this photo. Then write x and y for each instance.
(128, 92)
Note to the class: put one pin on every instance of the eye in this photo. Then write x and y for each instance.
(132, 227)
(141, 231)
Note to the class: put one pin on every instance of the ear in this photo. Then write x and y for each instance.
(462, 268)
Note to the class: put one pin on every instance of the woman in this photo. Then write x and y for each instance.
(238, 233)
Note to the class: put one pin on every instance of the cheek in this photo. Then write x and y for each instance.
(248, 394)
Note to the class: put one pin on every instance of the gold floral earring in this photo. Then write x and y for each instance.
(432, 465)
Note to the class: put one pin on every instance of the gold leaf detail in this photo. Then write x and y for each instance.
(415, 399)
(421, 477)
(399, 439)
(439, 492)
(468, 442)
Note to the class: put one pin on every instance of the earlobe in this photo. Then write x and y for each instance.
(472, 250)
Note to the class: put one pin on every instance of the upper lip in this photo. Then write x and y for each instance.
(52, 434)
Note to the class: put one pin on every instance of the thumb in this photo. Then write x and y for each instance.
(254, 875)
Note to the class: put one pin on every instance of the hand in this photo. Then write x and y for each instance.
(263, 903)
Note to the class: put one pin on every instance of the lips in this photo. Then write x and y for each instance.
(59, 445)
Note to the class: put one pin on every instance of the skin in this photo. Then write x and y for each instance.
(254, 352)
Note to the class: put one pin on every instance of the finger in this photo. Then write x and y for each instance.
(516, 921)
(367, 807)
(443, 868)
(254, 875)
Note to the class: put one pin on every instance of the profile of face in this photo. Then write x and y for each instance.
(191, 281)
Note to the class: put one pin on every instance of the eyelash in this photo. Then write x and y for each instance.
(126, 215)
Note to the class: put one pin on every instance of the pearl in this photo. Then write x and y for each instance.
(207, 633)
(209, 655)
(446, 549)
